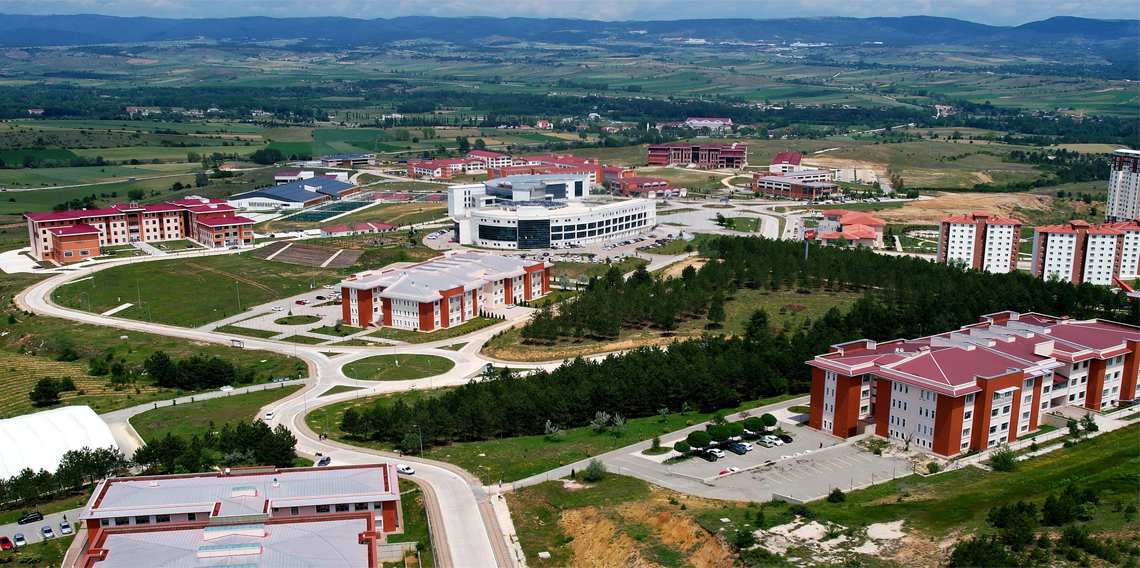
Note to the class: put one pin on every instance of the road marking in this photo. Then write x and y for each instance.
(792, 473)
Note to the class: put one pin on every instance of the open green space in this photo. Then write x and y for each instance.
(39, 553)
(337, 330)
(191, 291)
(297, 320)
(304, 339)
(473, 324)
(576, 270)
(249, 332)
(397, 367)
(193, 418)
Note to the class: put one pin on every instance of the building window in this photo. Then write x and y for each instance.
(967, 415)
(142, 520)
(322, 508)
(104, 522)
(360, 507)
(294, 511)
(162, 518)
(121, 521)
(191, 517)
(342, 508)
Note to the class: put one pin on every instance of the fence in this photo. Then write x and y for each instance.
(394, 551)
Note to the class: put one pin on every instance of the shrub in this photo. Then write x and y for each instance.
(769, 420)
(836, 496)
(980, 551)
(744, 539)
(1002, 459)
(699, 439)
(594, 472)
(682, 447)
(933, 467)
(656, 444)
(802, 511)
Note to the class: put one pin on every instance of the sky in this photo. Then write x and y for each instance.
(993, 12)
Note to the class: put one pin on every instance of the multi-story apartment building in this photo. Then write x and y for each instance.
(259, 516)
(981, 386)
(980, 241)
(1123, 187)
(733, 156)
(443, 292)
(70, 236)
(1081, 252)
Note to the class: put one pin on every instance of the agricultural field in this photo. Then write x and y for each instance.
(217, 285)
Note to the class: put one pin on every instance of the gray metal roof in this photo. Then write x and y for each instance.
(326, 544)
(424, 282)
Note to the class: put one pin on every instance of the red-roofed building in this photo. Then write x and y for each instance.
(805, 184)
(1081, 252)
(976, 388)
(733, 156)
(649, 188)
(124, 224)
(543, 125)
(491, 159)
(445, 169)
(856, 227)
(785, 162)
(980, 241)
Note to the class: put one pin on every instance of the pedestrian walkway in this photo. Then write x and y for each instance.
(148, 248)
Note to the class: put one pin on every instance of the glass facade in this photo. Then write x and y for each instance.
(533, 233)
(493, 233)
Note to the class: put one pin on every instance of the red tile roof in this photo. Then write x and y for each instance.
(336, 229)
(790, 158)
(220, 221)
(78, 229)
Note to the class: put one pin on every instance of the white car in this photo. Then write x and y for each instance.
(775, 441)
(278, 309)
(404, 469)
(328, 286)
(718, 453)
(746, 445)
(269, 415)
(226, 388)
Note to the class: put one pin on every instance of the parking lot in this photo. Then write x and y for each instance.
(805, 442)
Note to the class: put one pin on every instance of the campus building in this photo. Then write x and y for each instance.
(1081, 252)
(281, 178)
(70, 236)
(491, 159)
(1123, 187)
(443, 292)
(648, 188)
(855, 227)
(294, 195)
(733, 156)
(980, 241)
(348, 160)
(714, 124)
(786, 162)
(542, 211)
(976, 388)
(445, 169)
(304, 517)
(798, 184)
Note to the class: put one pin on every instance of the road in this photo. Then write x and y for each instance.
(472, 538)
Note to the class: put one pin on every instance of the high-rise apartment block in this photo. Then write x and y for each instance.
(1123, 187)
(980, 241)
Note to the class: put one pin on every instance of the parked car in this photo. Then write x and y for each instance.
(774, 440)
(785, 438)
(65, 528)
(707, 456)
(324, 461)
(328, 286)
(404, 469)
(269, 415)
(226, 388)
(280, 379)
(765, 442)
(746, 445)
(19, 540)
(30, 518)
(729, 470)
(717, 452)
(735, 448)
(301, 302)
(321, 298)
(6, 543)
(46, 532)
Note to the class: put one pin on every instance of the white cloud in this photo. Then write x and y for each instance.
(995, 12)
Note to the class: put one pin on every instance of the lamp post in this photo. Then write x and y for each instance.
(326, 411)
(88, 296)
(237, 284)
(417, 427)
(357, 378)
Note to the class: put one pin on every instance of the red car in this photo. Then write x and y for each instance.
(6, 543)
(301, 302)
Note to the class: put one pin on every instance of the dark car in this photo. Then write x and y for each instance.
(736, 448)
(322, 298)
(30, 518)
(707, 456)
(785, 438)
(324, 461)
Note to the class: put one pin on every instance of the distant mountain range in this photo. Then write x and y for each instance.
(1099, 35)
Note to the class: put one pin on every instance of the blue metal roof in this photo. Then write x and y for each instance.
(346, 157)
(299, 191)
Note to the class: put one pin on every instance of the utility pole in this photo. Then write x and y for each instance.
(357, 377)
(139, 292)
(417, 427)
(238, 285)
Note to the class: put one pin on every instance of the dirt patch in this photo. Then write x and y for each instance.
(141, 61)
(598, 542)
(681, 533)
(983, 177)
(929, 211)
(674, 270)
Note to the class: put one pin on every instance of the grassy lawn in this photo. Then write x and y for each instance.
(675, 247)
(867, 207)
(297, 320)
(415, 523)
(191, 291)
(62, 502)
(745, 224)
(188, 419)
(786, 309)
(316, 417)
(674, 211)
(474, 324)
(27, 355)
(511, 459)
(304, 339)
(575, 269)
(344, 331)
(554, 297)
(37, 553)
(397, 367)
(260, 333)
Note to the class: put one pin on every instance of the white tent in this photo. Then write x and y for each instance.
(39, 440)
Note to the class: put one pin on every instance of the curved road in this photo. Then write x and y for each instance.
(466, 535)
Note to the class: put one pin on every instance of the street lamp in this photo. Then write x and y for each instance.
(417, 427)
(357, 377)
(326, 411)
(88, 301)
(237, 284)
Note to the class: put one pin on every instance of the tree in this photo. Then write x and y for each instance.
(1089, 423)
(716, 311)
(754, 424)
(266, 156)
(1003, 459)
(480, 144)
(136, 194)
(655, 446)
(699, 439)
(201, 179)
(45, 393)
(769, 420)
(594, 472)
(429, 133)
(1074, 427)
(718, 432)
(735, 429)
(682, 447)
(351, 423)
(601, 421)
